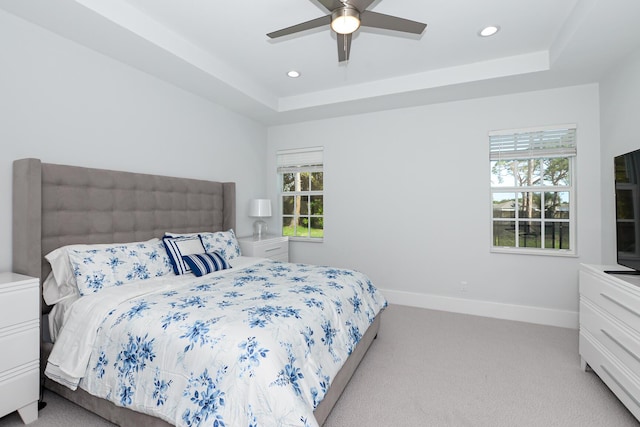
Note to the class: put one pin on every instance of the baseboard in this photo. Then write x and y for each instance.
(521, 313)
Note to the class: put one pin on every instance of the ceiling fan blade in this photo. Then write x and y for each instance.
(314, 23)
(361, 5)
(344, 47)
(388, 22)
(331, 4)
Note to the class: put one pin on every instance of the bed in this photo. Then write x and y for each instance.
(57, 205)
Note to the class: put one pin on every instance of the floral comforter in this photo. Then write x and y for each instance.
(253, 346)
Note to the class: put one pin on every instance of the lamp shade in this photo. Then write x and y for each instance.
(260, 208)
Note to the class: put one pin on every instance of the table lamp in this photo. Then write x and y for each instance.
(260, 208)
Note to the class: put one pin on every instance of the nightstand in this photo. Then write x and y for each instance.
(19, 345)
(269, 246)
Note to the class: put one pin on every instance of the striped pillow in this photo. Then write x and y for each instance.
(177, 247)
(206, 263)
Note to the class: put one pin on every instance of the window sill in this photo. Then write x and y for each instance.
(305, 239)
(532, 251)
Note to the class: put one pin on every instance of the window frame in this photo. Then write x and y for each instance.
(539, 152)
(301, 160)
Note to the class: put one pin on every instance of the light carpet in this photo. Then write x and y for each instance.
(433, 368)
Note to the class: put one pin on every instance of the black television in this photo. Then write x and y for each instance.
(627, 193)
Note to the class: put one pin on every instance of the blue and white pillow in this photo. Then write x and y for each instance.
(223, 242)
(62, 283)
(206, 263)
(115, 265)
(178, 247)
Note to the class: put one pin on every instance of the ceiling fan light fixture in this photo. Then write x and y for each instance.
(345, 20)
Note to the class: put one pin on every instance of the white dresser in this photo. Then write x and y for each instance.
(269, 246)
(19, 345)
(610, 331)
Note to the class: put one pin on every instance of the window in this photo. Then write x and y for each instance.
(302, 193)
(533, 190)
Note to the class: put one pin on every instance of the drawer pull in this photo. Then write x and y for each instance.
(615, 380)
(615, 301)
(622, 346)
(273, 249)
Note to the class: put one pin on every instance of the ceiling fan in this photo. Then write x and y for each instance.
(346, 17)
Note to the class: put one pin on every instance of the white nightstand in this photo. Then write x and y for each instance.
(269, 246)
(19, 345)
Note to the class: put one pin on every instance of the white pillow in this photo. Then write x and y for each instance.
(52, 292)
(223, 242)
(171, 234)
(118, 264)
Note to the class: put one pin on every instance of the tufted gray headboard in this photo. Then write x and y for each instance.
(57, 205)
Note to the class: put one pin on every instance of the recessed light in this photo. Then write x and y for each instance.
(293, 74)
(489, 31)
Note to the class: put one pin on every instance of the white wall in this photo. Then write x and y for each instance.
(407, 202)
(406, 190)
(66, 104)
(619, 113)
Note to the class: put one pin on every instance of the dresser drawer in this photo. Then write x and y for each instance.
(621, 341)
(19, 389)
(621, 381)
(274, 247)
(19, 347)
(611, 298)
(281, 257)
(19, 304)
(270, 249)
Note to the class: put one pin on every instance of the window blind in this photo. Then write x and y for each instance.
(300, 160)
(556, 141)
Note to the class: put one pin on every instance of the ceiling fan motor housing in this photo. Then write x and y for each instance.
(345, 20)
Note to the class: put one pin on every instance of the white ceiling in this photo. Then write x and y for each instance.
(220, 51)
